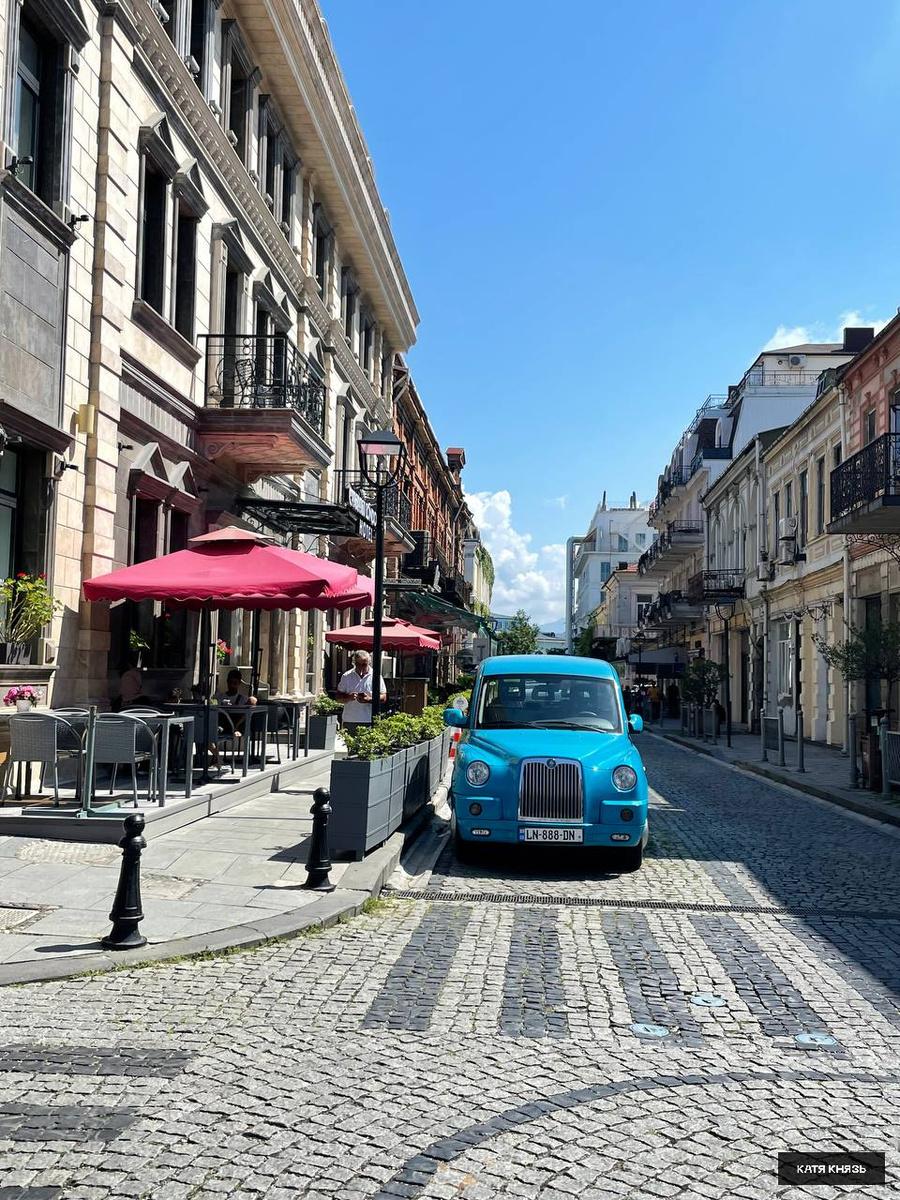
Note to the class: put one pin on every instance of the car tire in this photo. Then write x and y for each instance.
(631, 859)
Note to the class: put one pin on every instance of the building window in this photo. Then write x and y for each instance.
(198, 45)
(269, 151)
(185, 279)
(869, 427)
(820, 495)
(784, 662)
(804, 509)
(604, 570)
(644, 601)
(789, 499)
(776, 520)
(367, 346)
(288, 189)
(640, 539)
(154, 202)
(39, 119)
(349, 303)
(239, 79)
(23, 518)
(321, 236)
(836, 457)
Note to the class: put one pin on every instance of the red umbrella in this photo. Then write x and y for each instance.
(396, 635)
(229, 568)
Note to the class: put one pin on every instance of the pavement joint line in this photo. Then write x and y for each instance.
(634, 905)
(886, 823)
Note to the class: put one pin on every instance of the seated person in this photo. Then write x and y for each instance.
(131, 685)
(236, 690)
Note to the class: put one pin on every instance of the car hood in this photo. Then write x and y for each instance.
(592, 749)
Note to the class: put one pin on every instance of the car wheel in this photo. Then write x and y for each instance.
(632, 858)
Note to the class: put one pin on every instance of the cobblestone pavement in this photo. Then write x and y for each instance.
(495, 1034)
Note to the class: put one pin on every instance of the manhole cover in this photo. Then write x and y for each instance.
(708, 1000)
(68, 852)
(652, 1031)
(815, 1039)
(13, 918)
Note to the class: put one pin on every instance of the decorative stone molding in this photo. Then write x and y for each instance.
(167, 335)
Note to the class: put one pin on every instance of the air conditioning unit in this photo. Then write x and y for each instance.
(765, 572)
(787, 541)
(787, 528)
(797, 360)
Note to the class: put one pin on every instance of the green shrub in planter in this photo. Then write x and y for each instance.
(324, 706)
(387, 735)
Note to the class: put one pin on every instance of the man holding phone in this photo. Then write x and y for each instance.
(355, 689)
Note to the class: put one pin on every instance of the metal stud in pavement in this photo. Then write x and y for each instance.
(815, 1039)
(708, 1000)
(654, 1031)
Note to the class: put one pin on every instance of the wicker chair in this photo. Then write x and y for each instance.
(42, 738)
(126, 740)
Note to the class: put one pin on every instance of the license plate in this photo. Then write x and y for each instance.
(546, 833)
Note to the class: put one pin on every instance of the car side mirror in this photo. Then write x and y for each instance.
(636, 722)
(455, 717)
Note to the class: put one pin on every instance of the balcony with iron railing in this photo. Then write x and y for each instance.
(865, 489)
(708, 587)
(263, 405)
(351, 488)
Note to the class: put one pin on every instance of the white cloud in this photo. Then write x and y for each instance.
(557, 502)
(820, 331)
(525, 578)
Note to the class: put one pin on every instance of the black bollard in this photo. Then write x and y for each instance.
(126, 910)
(318, 864)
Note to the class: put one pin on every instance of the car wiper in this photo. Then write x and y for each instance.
(560, 724)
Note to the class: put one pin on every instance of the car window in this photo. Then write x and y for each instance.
(548, 701)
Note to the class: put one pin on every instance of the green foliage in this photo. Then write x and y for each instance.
(520, 638)
(324, 706)
(487, 565)
(585, 641)
(136, 643)
(480, 609)
(702, 681)
(27, 606)
(387, 735)
(872, 653)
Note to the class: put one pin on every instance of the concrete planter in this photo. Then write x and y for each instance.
(322, 732)
(371, 799)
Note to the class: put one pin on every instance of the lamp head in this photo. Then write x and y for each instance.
(380, 444)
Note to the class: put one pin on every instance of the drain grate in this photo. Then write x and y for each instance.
(16, 916)
(68, 852)
(668, 905)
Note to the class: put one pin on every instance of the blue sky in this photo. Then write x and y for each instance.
(605, 211)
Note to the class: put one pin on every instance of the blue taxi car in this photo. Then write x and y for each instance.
(546, 755)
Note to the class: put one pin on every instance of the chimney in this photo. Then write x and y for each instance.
(456, 460)
(857, 337)
(632, 503)
(603, 503)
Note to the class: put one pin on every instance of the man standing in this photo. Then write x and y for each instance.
(355, 689)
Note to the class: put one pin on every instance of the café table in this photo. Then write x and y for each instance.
(250, 712)
(163, 722)
(292, 706)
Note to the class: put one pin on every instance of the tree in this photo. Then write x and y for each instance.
(520, 638)
(585, 642)
(872, 653)
(701, 682)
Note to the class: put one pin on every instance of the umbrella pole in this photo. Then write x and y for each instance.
(255, 651)
(206, 683)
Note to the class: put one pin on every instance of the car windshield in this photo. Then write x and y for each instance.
(548, 702)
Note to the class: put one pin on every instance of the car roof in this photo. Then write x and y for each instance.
(547, 664)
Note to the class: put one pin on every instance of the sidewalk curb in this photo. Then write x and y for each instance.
(873, 811)
(361, 881)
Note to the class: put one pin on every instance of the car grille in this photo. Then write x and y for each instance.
(550, 792)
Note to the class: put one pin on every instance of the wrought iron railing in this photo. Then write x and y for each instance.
(352, 487)
(871, 474)
(687, 528)
(709, 586)
(250, 371)
(759, 378)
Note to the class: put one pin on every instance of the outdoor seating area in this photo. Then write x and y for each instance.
(147, 756)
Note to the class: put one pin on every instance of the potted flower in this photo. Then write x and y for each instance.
(222, 651)
(23, 697)
(137, 645)
(27, 607)
(323, 723)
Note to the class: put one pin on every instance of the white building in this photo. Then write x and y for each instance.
(616, 538)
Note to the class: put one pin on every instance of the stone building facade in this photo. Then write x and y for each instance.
(201, 312)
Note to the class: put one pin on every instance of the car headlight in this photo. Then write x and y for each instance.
(624, 778)
(478, 773)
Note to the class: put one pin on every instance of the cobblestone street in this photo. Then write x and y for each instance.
(517, 1027)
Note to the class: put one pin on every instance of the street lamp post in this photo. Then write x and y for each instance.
(725, 618)
(381, 459)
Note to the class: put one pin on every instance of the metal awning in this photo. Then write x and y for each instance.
(442, 610)
(299, 516)
(664, 656)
